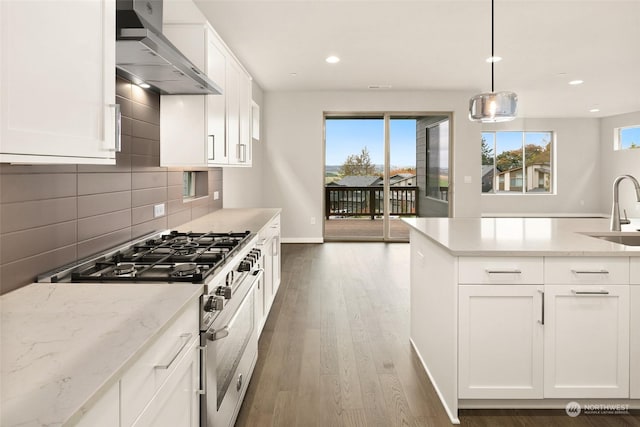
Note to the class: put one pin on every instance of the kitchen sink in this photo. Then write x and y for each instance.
(624, 238)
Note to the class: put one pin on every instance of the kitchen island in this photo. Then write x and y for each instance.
(76, 353)
(525, 312)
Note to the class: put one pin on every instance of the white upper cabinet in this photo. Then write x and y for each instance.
(207, 130)
(57, 82)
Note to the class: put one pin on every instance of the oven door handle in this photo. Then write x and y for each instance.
(218, 334)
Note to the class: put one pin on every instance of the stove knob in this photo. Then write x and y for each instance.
(258, 252)
(229, 279)
(214, 303)
(245, 265)
(224, 291)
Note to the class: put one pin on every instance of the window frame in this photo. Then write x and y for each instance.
(495, 188)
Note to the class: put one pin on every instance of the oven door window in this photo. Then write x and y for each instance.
(229, 350)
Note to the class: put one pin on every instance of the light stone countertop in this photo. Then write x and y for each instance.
(523, 236)
(224, 220)
(64, 345)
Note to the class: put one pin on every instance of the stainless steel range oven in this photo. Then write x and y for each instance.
(229, 265)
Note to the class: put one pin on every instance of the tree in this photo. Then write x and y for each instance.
(487, 153)
(358, 164)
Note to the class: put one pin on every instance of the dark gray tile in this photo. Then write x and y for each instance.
(145, 113)
(27, 243)
(148, 196)
(140, 180)
(97, 204)
(145, 147)
(7, 168)
(215, 205)
(145, 130)
(141, 214)
(158, 224)
(215, 174)
(146, 163)
(24, 187)
(123, 87)
(174, 177)
(174, 192)
(175, 206)
(198, 211)
(123, 164)
(177, 219)
(94, 183)
(125, 106)
(127, 126)
(98, 244)
(20, 273)
(95, 226)
(25, 215)
(126, 144)
(146, 97)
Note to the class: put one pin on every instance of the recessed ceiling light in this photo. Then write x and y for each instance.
(594, 110)
(332, 59)
(144, 85)
(494, 59)
(576, 82)
(293, 74)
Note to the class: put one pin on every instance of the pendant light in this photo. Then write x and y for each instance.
(493, 107)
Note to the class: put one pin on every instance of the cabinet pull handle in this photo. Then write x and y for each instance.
(600, 292)
(212, 147)
(203, 370)
(602, 271)
(261, 242)
(185, 340)
(243, 148)
(117, 125)
(541, 308)
(514, 271)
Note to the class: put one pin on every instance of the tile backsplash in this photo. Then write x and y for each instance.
(51, 215)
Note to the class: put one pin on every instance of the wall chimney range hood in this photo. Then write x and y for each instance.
(145, 55)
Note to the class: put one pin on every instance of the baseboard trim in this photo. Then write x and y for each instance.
(454, 418)
(302, 240)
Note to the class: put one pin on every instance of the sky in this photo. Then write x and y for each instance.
(508, 141)
(629, 135)
(349, 136)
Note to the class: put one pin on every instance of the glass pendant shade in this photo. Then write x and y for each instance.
(493, 107)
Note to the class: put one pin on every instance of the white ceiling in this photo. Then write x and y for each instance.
(442, 45)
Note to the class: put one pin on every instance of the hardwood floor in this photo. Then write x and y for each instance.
(335, 350)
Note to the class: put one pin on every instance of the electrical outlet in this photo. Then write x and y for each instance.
(158, 210)
(216, 195)
(467, 179)
(313, 220)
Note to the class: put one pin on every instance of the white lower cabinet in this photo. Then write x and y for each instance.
(177, 402)
(501, 336)
(105, 412)
(551, 341)
(586, 341)
(269, 244)
(634, 342)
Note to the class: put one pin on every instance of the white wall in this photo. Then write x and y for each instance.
(293, 173)
(616, 163)
(577, 173)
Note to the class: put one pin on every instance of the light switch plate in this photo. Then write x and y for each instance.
(158, 210)
(216, 195)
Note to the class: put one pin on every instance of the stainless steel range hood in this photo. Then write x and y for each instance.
(145, 55)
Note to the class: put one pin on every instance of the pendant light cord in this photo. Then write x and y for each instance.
(492, 54)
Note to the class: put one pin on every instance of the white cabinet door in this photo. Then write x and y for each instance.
(57, 82)
(260, 313)
(500, 342)
(217, 150)
(233, 112)
(586, 341)
(634, 338)
(276, 258)
(105, 412)
(177, 402)
(245, 119)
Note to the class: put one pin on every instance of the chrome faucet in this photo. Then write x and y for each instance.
(615, 210)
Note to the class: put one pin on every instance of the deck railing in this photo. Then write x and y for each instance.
(342, 201)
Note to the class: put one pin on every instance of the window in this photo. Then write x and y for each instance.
(188, 185)
(503, 167)
(627, 137)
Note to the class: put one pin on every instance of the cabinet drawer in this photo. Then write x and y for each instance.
(505, 270)
(586, 270)
(635, 270)
(140, 383)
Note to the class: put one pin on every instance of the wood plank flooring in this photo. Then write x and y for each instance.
(335, 350)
